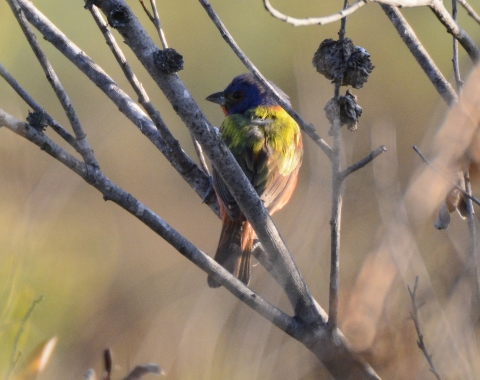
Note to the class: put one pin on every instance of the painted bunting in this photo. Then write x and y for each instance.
(267, 144)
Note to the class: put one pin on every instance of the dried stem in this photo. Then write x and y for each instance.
(309, 129)
(420, 342)
(313, 20)
(408, 36)
(15, 354)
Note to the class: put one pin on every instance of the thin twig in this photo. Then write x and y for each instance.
(420, 342)
(459, 188)
(471, 12)
(360, 164)
(309, 129)
(85, 150)
(313, 20)
(408, 36)
(62, 132)
(155, 19)
(452, 27)
(15, 354)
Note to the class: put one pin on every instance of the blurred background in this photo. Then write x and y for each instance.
(109, 281)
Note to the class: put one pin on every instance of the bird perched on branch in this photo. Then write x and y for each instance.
(267, 144)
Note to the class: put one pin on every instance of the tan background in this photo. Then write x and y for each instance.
(109, 281)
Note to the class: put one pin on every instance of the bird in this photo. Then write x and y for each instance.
(267, 144)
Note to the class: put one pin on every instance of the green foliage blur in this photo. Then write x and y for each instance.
(108, 281)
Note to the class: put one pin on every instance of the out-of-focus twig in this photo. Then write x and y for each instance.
(15, 354)
(313, 20)
(141, 370)
(420, 342)
(424, 159)
(307, 128)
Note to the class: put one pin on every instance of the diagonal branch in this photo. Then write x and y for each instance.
(125, 200)
(309, 129)
(84, 147)
(37, 108)
(452, 27)
(186, 167)
(470, 10)
(443, 87)
(144, 48)
(360, 164)
(313, 20)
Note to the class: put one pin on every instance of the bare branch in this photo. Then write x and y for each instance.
(84, 147)
(12, 123)
(189, 171)
(309, 129)
(470, 10)
(37, 108)
(421, 55)
(452, 27)
(143, 98)
(155, 19)
(420, 342)
(360, 164)
(125, 200)
(313, 20)
(454, 184)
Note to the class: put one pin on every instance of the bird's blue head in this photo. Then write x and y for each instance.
(244, 93)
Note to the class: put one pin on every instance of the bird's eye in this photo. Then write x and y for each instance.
(238, 95)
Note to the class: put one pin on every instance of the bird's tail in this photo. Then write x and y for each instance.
(234, 250)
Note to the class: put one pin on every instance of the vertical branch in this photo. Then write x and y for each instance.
(337, 180)
(456, 68)
(472, 261)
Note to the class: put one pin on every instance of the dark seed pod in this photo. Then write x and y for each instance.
(37, 120)
(342, 62)
(168, 60)
(349, 110)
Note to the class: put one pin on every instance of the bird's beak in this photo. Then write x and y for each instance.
(218, 98)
